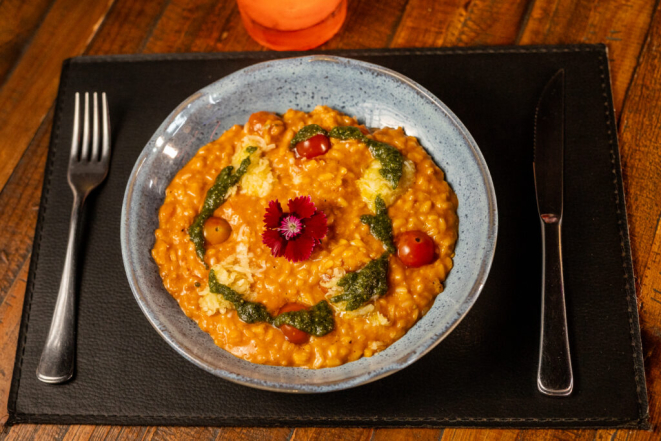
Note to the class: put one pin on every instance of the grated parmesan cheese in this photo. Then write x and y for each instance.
(235, 272)
(212, 303)
(258, 179)
(257, 141)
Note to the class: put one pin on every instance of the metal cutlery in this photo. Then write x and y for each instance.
(88, 167)
(554, 376)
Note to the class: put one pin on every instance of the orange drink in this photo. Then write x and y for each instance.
(292, 24)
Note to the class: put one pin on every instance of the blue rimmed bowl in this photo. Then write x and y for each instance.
(378, 97)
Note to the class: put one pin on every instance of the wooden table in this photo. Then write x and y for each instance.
(36, 35)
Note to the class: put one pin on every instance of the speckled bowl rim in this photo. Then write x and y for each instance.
(395, 364)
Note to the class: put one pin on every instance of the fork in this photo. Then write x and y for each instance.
(87, 169)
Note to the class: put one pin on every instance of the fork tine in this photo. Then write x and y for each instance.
(85, 149)
(75, 140)
(105, 153)
(95, 129)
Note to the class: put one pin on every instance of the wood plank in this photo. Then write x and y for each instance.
(254, 433)
(180, 433)
(10, 320)
(166, 433)
(604, 435)
(633, 435)
(76, 432)
(640, 137)
(406, 434)
(428, 23)
(332, 434)
(22, 432)
(622, 25)
(127, 27)
(649, 298)
(558, 434)
(28, 92)
(80, 432)
(361, 28)
(18, 21)
(518, 435)
(480, 434)
(225, 34)
(183, 22)
(19, 206)
(29, 432)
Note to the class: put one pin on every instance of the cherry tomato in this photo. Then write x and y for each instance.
(415, 248)
(292, 334)
(263, 123)
(216, 230)
(315, 146)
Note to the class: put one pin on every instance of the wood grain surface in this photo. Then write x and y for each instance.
(37, 35)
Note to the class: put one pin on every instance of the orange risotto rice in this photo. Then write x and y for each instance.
(341, 183)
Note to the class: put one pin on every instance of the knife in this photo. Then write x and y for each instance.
(554, 375)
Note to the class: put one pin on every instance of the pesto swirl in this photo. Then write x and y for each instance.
(317, 321)
(215, 197)
(249, 312)
(391, 159)
(360, 286)
(344, 133)
(380, 224)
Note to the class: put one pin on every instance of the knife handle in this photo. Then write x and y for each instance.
(554, 376)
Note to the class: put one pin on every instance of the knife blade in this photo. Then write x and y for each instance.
(554, 375)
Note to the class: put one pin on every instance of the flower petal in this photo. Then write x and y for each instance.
(299, 249)
(302, 207)
(275, 241)
(316, 226)
(273, 214)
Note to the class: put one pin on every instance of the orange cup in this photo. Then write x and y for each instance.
(292, 25)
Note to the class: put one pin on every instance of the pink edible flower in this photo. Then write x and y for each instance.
(294, 234)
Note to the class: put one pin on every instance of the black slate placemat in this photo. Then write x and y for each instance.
(483, 374)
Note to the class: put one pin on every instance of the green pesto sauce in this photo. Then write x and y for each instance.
(215, 198)
(306, 133)
(345, 133)
(249, 312)
(360, 286)
(317, 321)
(391, 159)
(380, 224)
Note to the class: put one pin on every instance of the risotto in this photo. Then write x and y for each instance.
(306, 239)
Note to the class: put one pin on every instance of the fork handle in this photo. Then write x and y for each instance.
(554, 376)
(59, 353)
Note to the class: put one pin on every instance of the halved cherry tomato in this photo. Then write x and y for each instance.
(315, 146)
(263, 123)
(292, 334)
(217, 230)
(415, 248)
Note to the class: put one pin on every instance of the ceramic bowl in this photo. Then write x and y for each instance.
(378, 97)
